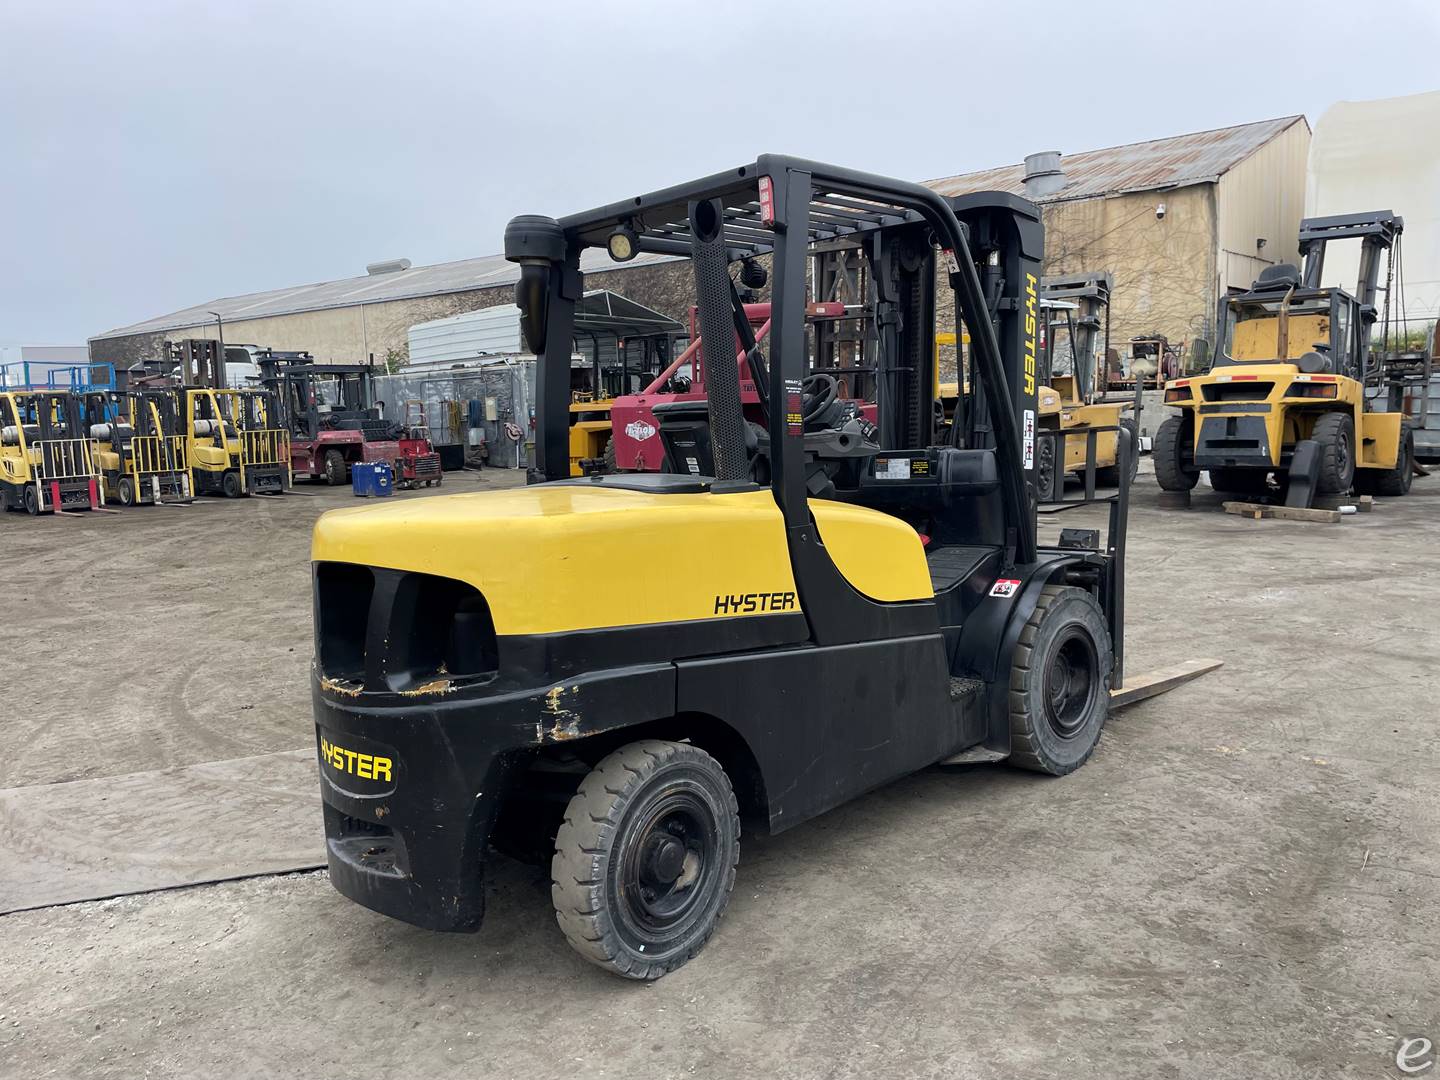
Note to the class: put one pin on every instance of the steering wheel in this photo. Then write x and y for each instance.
(818, 393)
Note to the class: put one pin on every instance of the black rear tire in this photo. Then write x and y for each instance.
(1109, 476)
(1241, 481)
(1060, 682)
(335, 470)
(645, 860)
(1394, 481)
(1335, 432)
(1175, 454)
(1046, 478)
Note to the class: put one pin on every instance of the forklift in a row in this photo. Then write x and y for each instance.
(860, 599)
(48, 462)
(236, 442)
(142, 450)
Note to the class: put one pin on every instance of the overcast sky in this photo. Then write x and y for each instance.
(157, 155)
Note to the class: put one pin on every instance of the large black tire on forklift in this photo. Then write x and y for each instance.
(1109, 476)
(1335, 432)
(611, 466)
(1175, 454)
(1046, 479)
(1060, 682)
(1394, 481)
(230, 484)
(32, 501)
(125, 491)
(334, 468)
(645, 861)
(1241, 481)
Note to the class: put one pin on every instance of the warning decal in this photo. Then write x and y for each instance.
(1028, 455)
(1005, 587)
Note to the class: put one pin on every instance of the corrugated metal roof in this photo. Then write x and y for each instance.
(482, 273)
(1143, 166)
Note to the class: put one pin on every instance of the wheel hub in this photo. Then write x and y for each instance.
(668, 858)
(663, 861)
(1070, 683)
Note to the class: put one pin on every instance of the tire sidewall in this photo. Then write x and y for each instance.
(1174, 441)
(1347, 464)
(1073, 610)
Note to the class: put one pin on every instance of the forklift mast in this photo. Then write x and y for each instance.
(1091, 292)
(292, 379)
(1378, 231)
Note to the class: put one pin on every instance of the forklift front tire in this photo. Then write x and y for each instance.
(645, 860)
(32, 501)
(230, 485)
(1335, 432)
(1108, 476)
(125, 489)
(1060, 682)
(1175, 455)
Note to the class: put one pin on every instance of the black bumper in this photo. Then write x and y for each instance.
(412, 848)
(412, 844)
(1227, 442)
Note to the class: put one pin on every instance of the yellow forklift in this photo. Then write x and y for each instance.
(1076, 309)
(48, 462)
(236, 443)
(141, 446)
(1285, 396)
(857, 601)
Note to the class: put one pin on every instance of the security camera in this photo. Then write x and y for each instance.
(1160, 212)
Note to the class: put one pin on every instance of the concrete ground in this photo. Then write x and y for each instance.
(1244, 882)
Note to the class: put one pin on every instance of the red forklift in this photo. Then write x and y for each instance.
(635, 445)
(335, 423)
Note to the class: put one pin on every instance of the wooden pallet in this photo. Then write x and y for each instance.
(1257, 511)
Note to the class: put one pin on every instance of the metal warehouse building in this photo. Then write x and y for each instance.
(1176, 221)
(355, 319)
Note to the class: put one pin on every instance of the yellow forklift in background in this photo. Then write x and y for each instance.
(1070, 313)
(236, 443)
(1286, 393)
(140, 445)
(1076, 309)
(47, 459)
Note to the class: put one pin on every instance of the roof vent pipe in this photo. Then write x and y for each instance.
(1043, 175)
(388, 266)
